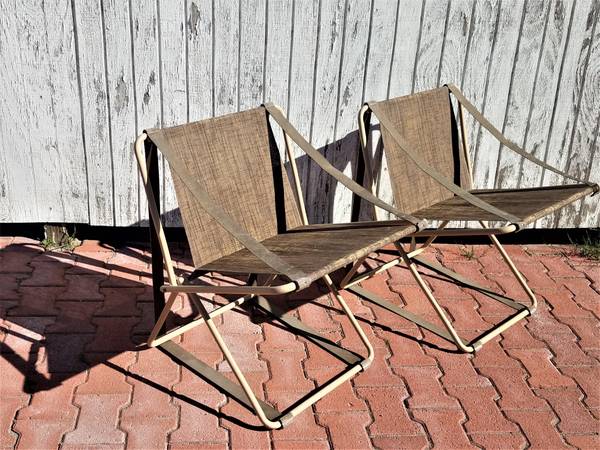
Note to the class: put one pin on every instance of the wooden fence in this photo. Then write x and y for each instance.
(79, 79)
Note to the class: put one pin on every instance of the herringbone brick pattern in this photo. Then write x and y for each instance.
(73, 373)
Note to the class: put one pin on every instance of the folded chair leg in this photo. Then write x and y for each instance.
(237, 372)
(516, 273)
(411, 260)
(438, 309)
(363, 337)
(161, 320)
(270, 417)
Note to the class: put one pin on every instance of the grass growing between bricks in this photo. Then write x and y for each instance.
(589, 245)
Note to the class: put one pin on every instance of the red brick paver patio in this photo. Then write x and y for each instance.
(74, 376)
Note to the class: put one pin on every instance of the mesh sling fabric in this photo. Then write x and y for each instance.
(425, 121)
(236, 161)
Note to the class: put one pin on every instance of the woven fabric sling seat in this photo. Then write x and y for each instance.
(430, 174)
(243, 219)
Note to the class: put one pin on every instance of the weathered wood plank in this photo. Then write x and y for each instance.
(456, 39)
(277, 52)
(252, 54)
(329, 50)
(378, 77)
(584, 154)
(70, 180)
(521, 91)
(200, 59)
(542, 104)
(454, 50)
(405, 47)
(427, 65)
(94, 102)
(569, 94)
(226, 56)
(277, 49)
(39, 110)
(302, 70)
(147, 72)
(343, 153)
(479, 53)
(19, 200)
(503, 54)
(121, 101)
(173, 65)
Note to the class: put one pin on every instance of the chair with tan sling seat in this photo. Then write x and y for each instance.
(241, 217)
(430, 174)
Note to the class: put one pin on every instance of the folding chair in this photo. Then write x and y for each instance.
(241, 217)
(430, 174)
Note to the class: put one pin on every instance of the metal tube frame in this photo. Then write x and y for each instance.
(411, 259)
(271, 418)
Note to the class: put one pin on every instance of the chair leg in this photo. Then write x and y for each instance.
(450, 333)
(237, 371)
(438, 309)
(516, 273)
(243, 392)
(363, 337)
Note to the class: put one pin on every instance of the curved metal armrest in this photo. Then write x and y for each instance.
(322, 162)
(479, 117)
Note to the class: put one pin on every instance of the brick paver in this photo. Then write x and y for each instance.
(74, 375)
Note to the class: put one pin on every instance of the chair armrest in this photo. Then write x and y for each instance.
(479, 117)
(322, 162)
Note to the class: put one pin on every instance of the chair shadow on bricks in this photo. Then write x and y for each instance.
(62, 313)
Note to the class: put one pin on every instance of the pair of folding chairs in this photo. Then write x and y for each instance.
(242, 216)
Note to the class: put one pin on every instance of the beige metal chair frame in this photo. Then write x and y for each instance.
(411, 258)
(251, 292)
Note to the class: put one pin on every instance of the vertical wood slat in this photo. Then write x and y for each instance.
(430, 45)
(454, 50)
(121, 109)
(503, 53)
(226, 56)
(584, 154)
(521, 90)
(89, 20)
(349, 98)
(200, 32)
(277, 54)
(18, 182)
(477, 63)
(147, 72)
(82, 78)
(173, 70)
(405, 47)
(45, 35)
(329, 51)
(546, 85)
(378, 78)
(569, 93)
(302, 69)
(252, 53)
(70, 186)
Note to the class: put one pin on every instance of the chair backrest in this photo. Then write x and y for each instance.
(427, 123)
(236, 160)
